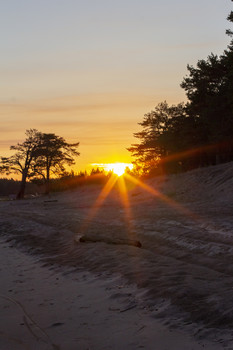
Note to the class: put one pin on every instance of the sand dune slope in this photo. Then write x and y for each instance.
(176, 288)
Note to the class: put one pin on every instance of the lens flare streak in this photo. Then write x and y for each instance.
(101, 198)
(163, 197)
(125, 201)
(123, 192)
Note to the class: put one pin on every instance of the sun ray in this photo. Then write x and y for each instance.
(100, 199)
(163, 197)
(123, 192)
(125, 201)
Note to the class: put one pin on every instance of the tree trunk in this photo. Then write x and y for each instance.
(47, 182)
(21, 192)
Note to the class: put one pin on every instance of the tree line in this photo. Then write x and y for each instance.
(194, 134)
(41, 160)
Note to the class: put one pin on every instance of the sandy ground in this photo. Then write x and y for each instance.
(176, 292)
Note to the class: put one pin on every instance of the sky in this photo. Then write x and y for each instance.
(88, 70)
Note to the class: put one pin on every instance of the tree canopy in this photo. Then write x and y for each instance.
(53, 155)
(198, 133)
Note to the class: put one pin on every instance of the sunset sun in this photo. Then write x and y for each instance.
(118, 168)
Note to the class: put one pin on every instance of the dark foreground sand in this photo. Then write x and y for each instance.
(173, 293)
(71, 311)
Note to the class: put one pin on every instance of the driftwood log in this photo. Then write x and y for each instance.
(108, 240)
